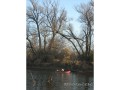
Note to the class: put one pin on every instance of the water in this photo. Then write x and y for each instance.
(38, 80)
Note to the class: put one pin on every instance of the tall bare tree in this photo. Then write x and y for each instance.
(30, 44)
(86, 12)
(45, 33)
(55, 19)
(35, 15)
(73, 39)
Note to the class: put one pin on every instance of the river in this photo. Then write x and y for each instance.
(38, 80)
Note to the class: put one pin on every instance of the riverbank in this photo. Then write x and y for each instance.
(84, 69)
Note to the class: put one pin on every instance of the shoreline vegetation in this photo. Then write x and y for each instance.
(51, 41)
(81, 68)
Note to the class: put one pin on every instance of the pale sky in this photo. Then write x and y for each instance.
(71, 13)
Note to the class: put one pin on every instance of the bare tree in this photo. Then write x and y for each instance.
(77, 39)
(54, 19)
(50, 24)
(45, 33)
(30, 44)
(35, 15)
(69, 39)
(72, 38)
(86, 12)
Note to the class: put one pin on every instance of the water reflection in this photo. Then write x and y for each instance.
(50, 80)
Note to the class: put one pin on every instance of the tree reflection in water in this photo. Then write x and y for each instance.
(50, 80)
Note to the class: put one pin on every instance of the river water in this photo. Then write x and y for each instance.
(38, 80)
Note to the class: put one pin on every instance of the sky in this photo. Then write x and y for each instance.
(69, 5)
(71, 13)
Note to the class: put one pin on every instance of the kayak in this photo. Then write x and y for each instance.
(64, 71)
(67, 71)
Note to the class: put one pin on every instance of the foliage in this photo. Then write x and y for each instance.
(67, 53)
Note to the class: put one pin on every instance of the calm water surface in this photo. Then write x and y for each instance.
(37, 80)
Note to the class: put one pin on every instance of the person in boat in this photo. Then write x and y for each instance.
(67, 71)
(62, 70)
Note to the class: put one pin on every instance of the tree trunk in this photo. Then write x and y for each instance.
(39, 36)
(51, 44)
(44, 43)
(71, 42)
(33, 50)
